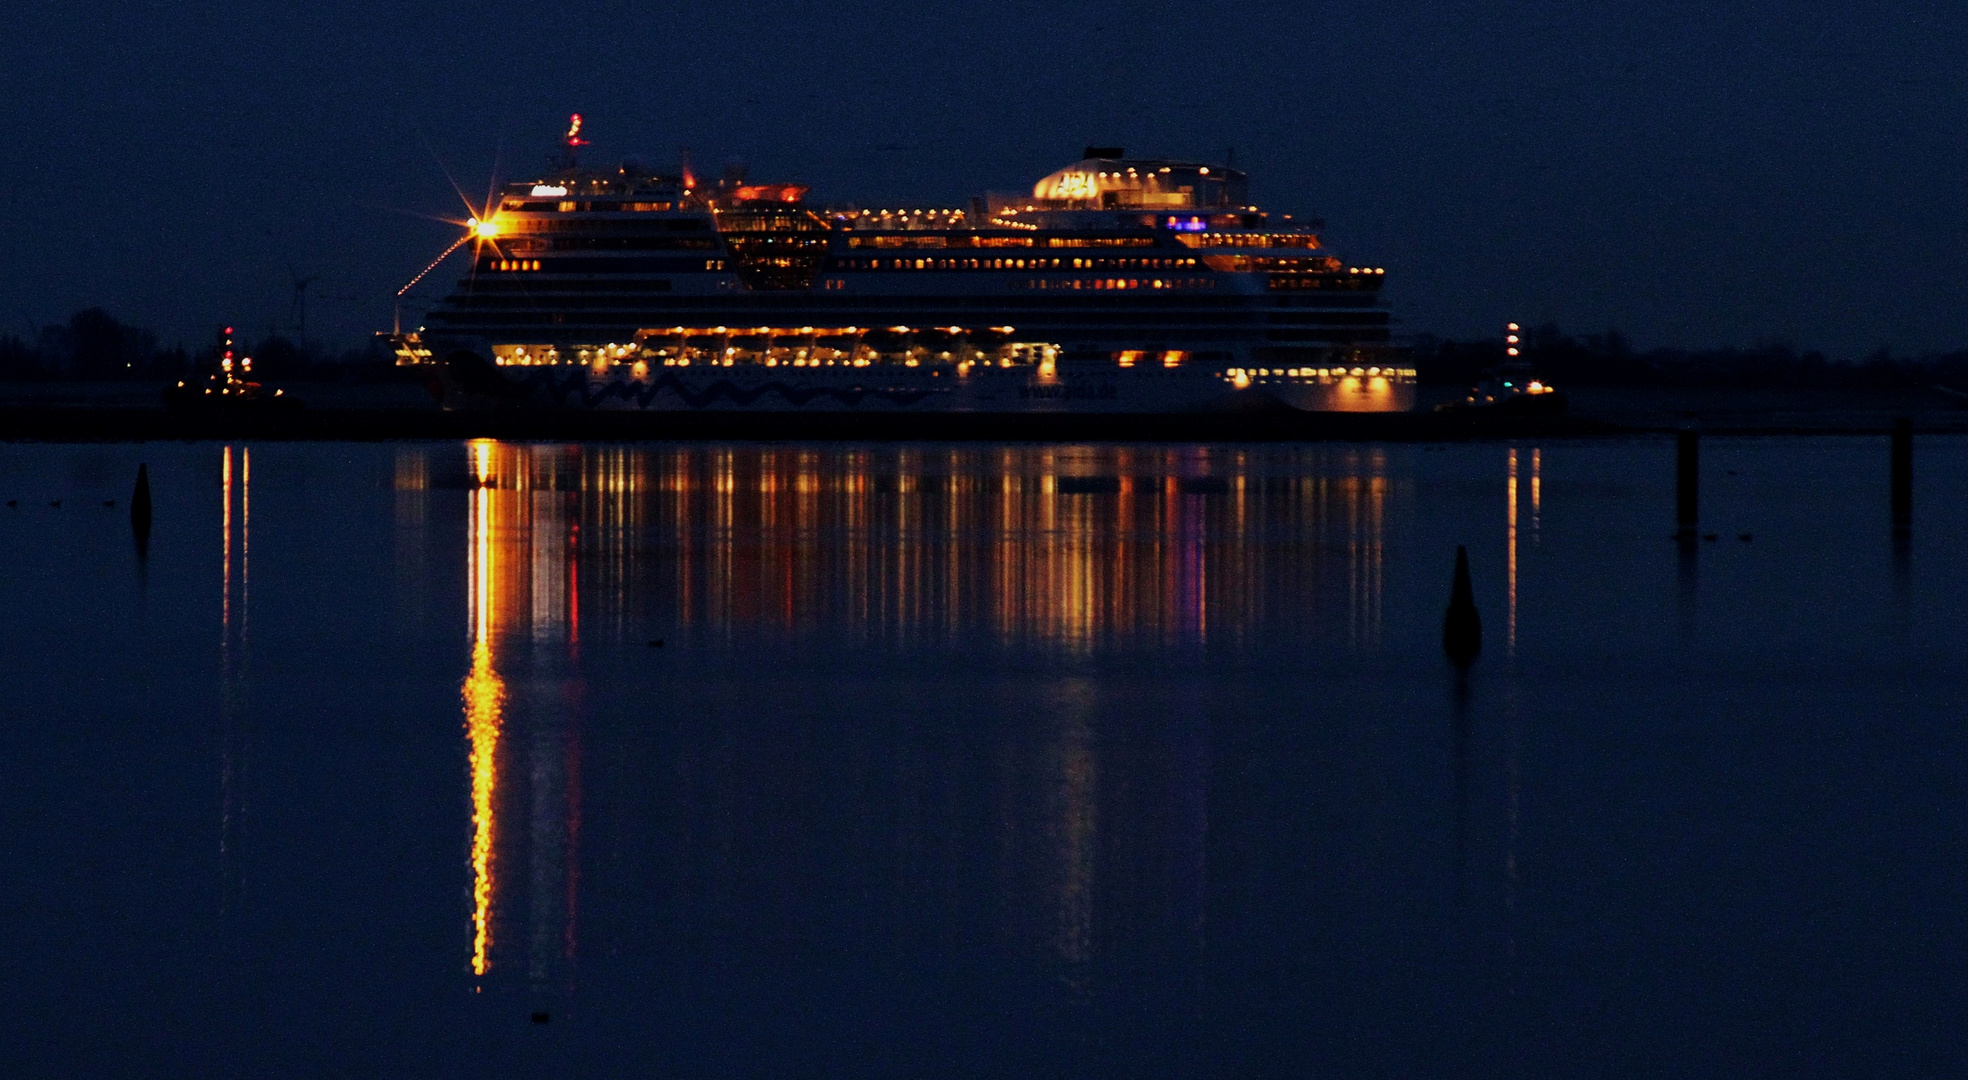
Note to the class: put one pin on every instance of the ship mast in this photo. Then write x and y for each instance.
(570, 155)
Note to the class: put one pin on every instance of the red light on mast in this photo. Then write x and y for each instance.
(574, 131)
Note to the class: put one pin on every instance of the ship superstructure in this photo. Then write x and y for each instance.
(1118, 284)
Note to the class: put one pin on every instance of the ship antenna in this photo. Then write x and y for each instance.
(574, 142)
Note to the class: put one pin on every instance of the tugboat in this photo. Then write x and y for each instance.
(227, 385)
(1510, 387)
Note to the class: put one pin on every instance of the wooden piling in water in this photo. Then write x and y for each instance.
(1462, 627)
(1687, 480)
(1902, 473)
(140, 507)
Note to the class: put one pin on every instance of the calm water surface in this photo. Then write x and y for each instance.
(980, 761)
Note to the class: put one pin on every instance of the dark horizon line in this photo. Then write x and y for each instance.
(93, 343)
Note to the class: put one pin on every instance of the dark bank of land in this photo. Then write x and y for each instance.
(118, 413)
(95, 379)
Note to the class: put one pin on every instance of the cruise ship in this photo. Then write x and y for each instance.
(1119, 285)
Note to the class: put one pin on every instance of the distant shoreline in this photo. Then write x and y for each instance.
(339, 412)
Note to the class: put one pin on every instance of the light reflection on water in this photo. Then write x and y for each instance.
(1055, 760)
(484, 693)
(952, 549)
(234, 609)
(1048, 547)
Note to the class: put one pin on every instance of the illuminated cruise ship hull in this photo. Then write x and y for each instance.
(652, 293)
(979, 389)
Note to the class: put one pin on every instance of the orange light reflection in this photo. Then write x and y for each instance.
(1076, 547)
(1510, 571)
(484, 693)
(1536, 493)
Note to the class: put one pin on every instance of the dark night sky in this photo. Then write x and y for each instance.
(1691, 173)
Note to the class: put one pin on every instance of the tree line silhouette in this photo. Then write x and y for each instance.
(95, 345)
(1609, 359)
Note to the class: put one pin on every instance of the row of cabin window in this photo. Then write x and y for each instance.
(1251, 240)
(1017, 264)
(1120, 283)
(1324, 281)
(975, 240)
(551, 225)
(571, 206)
(633, 243)
(833, 284)
(534, 264)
